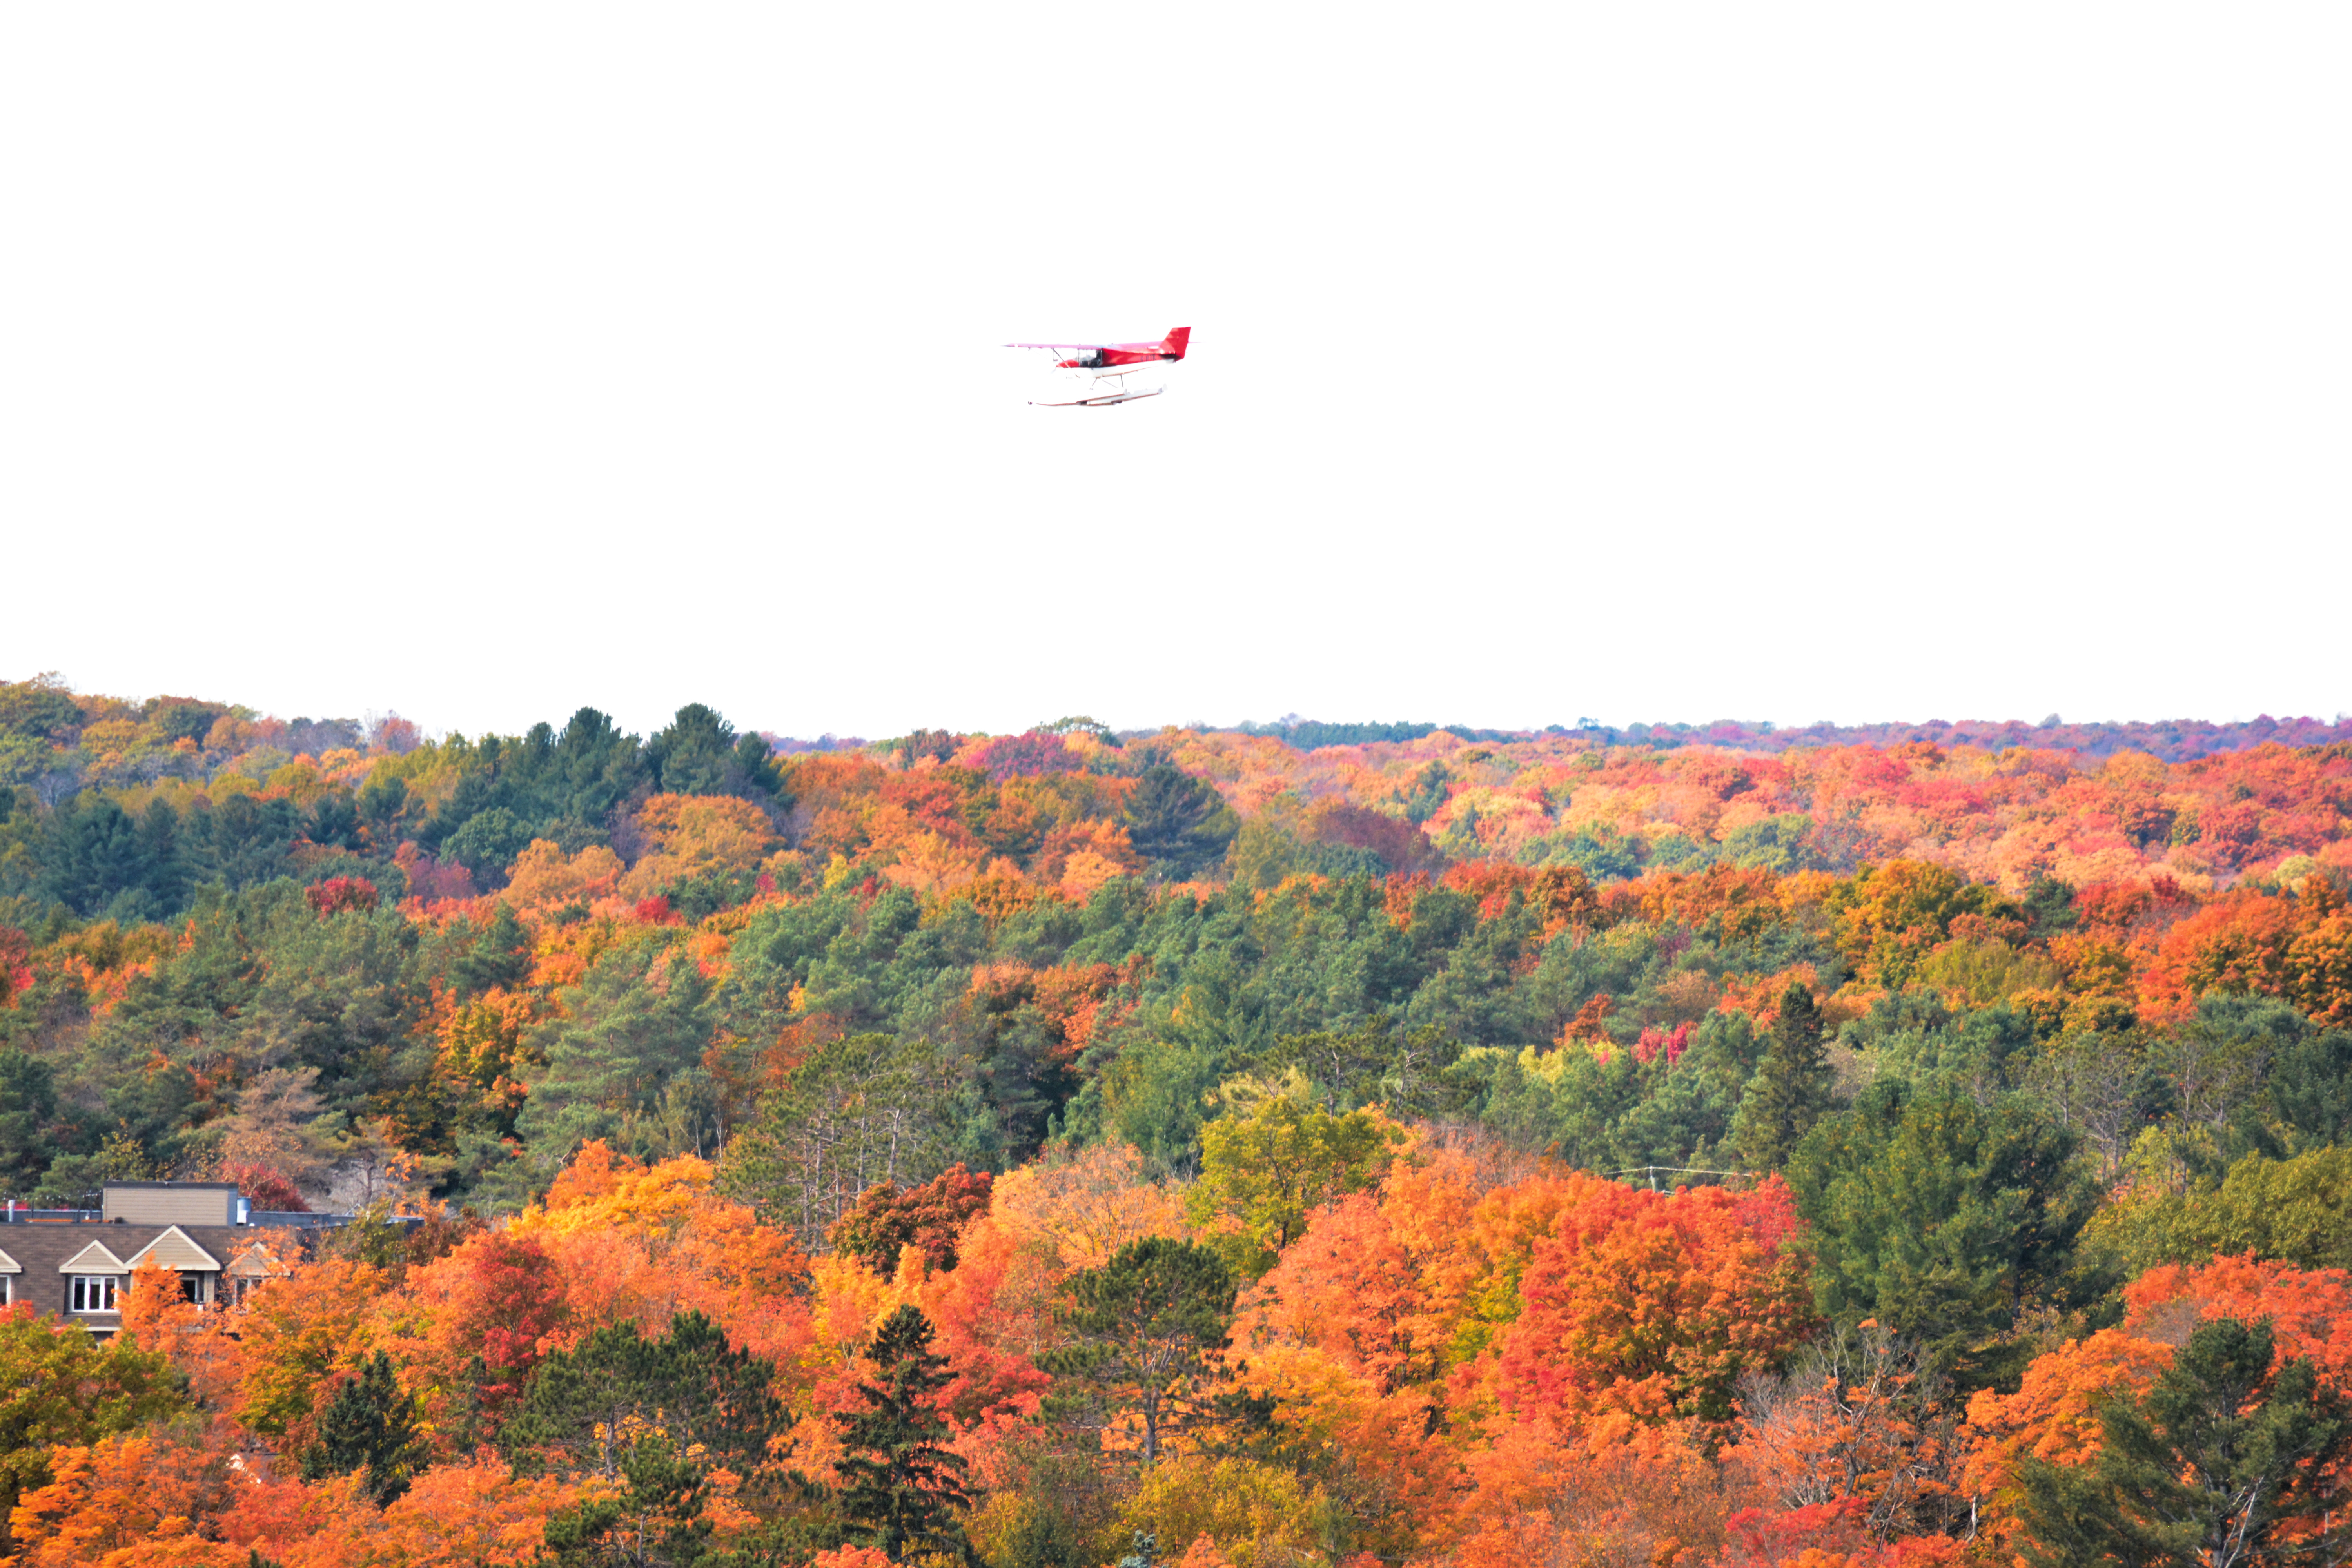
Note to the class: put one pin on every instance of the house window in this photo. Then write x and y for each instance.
(93, 1293)
(7, 1289)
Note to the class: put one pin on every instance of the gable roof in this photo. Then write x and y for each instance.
(255, 1260)
(46, 1251)
(93, 1259)
(9, 1265)
(175, 1250)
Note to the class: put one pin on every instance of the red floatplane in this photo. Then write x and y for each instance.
(1112, 363)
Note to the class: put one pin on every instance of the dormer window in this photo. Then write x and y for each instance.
(93, 1276)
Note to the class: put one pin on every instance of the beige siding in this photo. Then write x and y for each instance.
(171, 1205)
(93, 1259)
(173, 1249)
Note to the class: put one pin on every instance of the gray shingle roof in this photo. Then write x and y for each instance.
(41, 1251)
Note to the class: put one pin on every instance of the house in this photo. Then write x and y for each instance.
(76, 1264)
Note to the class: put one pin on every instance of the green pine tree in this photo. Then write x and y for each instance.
(655, 1415)
(1946, 1220)
(700, 753)
(1177, 822)
(582, 1405)
(499, 956)
(656, 1518)
(2225, 1462)
(469, 1425)
(1138, 1334)
(902, 1487)
(28, 1116)
(370, 1424)
(164, 875)
(94, 853)
(1792, 1087)
(627, 1032)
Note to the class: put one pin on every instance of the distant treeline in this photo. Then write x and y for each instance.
(2171, 739)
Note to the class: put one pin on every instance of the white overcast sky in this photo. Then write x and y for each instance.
(1644, 362)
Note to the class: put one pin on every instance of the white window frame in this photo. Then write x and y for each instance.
(91, 1287)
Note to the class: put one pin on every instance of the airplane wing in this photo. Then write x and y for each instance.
(1060, 346)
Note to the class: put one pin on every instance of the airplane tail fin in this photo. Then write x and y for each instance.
(1173, 344)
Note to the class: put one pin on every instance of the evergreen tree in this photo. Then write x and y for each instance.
(1377, 1062)
(381, 801)
(594, 766)
(861, 1111)
(656, 1416)
(699, 754)
(247, 841)
(487, 843)
(690, 756)
(1177, 822)
(1791, 1086)
(2050, 906)
(94, 853)
(755, 766)
(655, 1520)
(583, 1403)
(2310, 1089)
(902, 1487)
(340, 995)
(499, 956)
(164, 871)
(1141, 1331)
(625, 1036)
(468, 1425)
(334, 823)
(370, 1424)
(566, 788)
(28, 1115)
(2225, 1462)
(1944, 1219)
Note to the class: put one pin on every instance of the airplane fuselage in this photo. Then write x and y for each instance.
(1113, 359)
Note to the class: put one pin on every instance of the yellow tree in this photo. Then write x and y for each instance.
(1265, 1168)
(61, 1390)
(695, 835)
(297, 1332)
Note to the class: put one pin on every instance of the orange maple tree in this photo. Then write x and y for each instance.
(1654, 1304)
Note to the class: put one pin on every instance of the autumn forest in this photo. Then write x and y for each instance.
(1294, 1145)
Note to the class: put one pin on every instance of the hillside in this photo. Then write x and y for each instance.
(1685, 1145)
